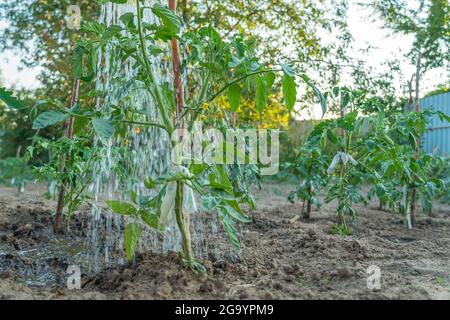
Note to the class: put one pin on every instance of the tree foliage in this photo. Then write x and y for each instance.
(427, 20)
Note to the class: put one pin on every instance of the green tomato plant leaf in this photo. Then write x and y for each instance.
(48, 118)
(11, 101)
(104, 128)
(122, 208)
(131, 240)
(262, 93)
(289, 91)
(234, 94)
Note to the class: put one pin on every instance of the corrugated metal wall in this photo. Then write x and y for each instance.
(437, 137)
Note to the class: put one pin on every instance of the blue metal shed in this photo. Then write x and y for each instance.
(437, 136)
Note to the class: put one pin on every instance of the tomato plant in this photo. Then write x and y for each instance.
(223, 68)
(310, 168)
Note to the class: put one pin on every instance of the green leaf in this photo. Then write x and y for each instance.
(48, 118)
(11, 101)
(261, 94)
(152, 220)
(234, 94)
(120, 207)
(332, 137)
(79, 125)
(319, 95)
(209, 202)
(175, 175)
(443, 116)
(231, 232)
(111, 32)
(104, 128)
(345, 100)
(235, 214)
(93, 27)
(131, 239)
(81, 57)
(113, 1)
(171, 22)
(128, 20)
(150, 183)
(219, 179)
(289, 91)
(270, 79)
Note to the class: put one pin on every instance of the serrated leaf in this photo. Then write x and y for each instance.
(443, 116)
(234, 94)
(11, 101)
(121, 207)
(131, 239)
(48, 118)
(171, 23)
(83, 63)
(235, 214)
(128, 20)
(152, 220)
(93, 27)
(231, 232)
(111, 32)
(104, 128)
(209, 202)
(317, 92)
(289, 91)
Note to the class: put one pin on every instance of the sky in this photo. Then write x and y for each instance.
(364, 31)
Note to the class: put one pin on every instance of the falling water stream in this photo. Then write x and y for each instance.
(126, 162)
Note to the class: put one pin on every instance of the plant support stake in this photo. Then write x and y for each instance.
(68, 133)
(417, 155)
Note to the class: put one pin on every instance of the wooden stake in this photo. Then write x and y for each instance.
(410, 101)
(176, 64)
(414, 191)
(68, 133)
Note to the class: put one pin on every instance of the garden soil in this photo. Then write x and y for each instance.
(282, 257)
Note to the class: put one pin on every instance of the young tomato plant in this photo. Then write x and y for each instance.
(77, 173)
(397, 169)
(434, 168)
(310, 168)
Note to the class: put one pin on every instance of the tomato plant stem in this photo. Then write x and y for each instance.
(155, 88)
(183, 220)
(68, 133)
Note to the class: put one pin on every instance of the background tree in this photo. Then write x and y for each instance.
(427, 20)
(37, 30)
(292, 30)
